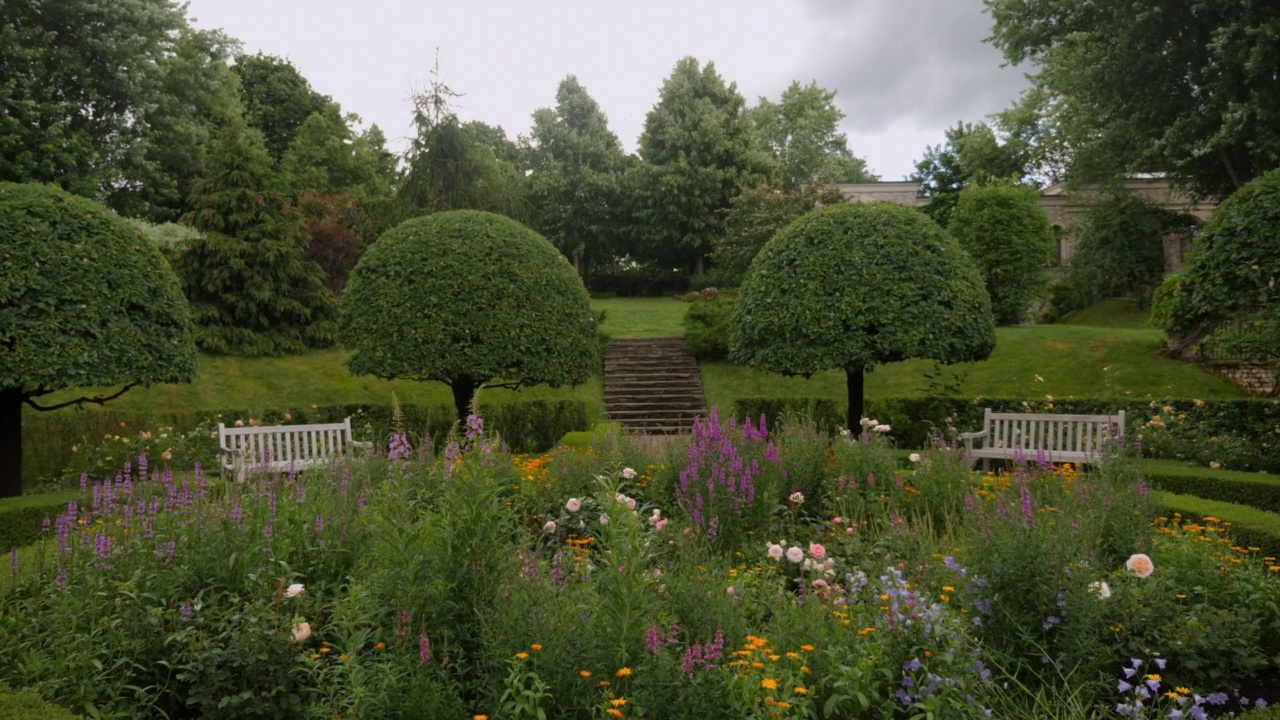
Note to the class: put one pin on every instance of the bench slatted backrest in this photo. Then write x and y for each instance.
(1066, 433)
(286, 443)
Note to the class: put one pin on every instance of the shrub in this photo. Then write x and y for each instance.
(1120, 249)
(22, 519)
(852, 286)
(706, 328)
(1007, 233)
(1231, 270)
(15, 705)
(465, 298)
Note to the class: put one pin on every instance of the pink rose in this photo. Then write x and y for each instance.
(837, 520)
(1140, 564)
(574, 505)
(795, 554)
(817, 550)
(550, 526)
(660, 525)
(775, 552)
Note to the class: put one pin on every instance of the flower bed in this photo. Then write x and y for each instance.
(743, 572)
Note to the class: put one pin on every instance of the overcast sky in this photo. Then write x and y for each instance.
(903, 70)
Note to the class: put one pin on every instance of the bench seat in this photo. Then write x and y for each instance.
(282, 448)
(1058, 437)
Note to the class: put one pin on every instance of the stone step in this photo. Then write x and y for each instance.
(652, 385)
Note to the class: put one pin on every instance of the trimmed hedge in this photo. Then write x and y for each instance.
(1257, 490)
(1243, 434)
(1249, 526)
(16, 705)
(532, 426)
(21, 517)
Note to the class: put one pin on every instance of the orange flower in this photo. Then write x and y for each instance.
(623, 672)
(807, 648)
(380, 646)
(584, 673)
(769, 683)
(801, 690)
(479, 717)
(522, 655)
(613, 712)
(536, 647)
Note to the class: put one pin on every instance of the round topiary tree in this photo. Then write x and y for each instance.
(85, 301)
(1004, 229)
(1232, 270)
(849, 287)
(466, 297)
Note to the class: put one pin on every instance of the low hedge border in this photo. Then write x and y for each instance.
(1250, 527)
(530, 426)
(21, 518)
(17, 705)
(1257, 490)
(1243, 433)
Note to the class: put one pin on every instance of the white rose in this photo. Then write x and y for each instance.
(294, 590)
(914, 457)
(301, 631)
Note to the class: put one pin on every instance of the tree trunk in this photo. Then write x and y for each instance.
(698, 263)
(577, 264)
(464, 389)
(855, 383)
(10, 442)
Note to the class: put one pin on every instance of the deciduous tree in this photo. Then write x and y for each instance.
(855, 285)
(85, 301)
(802, 133)
(1185, 88)
(466, 298)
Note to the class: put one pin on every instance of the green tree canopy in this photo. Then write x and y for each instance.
(755, 214)
(855, 285)
(972, 154)
(1007, 233)
(465, 298)
(802, 133)
(277, 99)
(85, 301)
(576, 165)
(1232, 270)
(451, 166)
(1184, 88)
(1120, 248)
(697, 149)
(250, 289)
(109, 100)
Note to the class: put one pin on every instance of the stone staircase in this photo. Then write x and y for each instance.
(652, 385)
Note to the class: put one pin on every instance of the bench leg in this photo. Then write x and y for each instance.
(986, 465)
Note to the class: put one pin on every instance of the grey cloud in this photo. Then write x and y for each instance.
(920, 61)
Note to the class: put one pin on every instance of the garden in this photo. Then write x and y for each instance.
(753, 570)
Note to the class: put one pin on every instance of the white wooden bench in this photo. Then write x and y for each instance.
(281, 448)
(1060, 437)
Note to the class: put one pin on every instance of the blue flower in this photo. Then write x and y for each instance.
(1124, 687)
(1161, 662)
(1218, 698)
(912, 664)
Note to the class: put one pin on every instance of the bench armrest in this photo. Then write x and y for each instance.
(361, 444)
(972, 435)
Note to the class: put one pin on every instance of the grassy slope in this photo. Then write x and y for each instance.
(642, 317)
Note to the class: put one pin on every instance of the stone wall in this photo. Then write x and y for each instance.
(1255, 378)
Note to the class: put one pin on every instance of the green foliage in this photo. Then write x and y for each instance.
(21, 519)
(1256, 490)
(15, 705)
(250, 289)
(1231, 270)
(1119, 87)
(577, 165)
(85, 300)
(706, 328)
(467, 297)
(698, 150)
(1007, 233)
(754, 215)
(857, 285)
(120, 113)
(451, 167)
(1120, 250)
(278, 100)
(973, 154)
(801, 132)
(1249, 526)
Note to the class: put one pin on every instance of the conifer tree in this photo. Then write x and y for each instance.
(251, 291)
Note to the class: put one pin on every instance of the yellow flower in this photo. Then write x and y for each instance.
(522, 655)
(605, 683)
(623, 672)
(479, 717)
(618, 702)
(769, 683)
(584, 673)
(801, 690)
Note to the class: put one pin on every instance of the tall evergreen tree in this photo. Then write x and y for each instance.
(698, 149)
(576, 165)
(250, 290)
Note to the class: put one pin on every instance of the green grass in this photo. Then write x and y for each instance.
(1074, 361)
(319, 378)
(1113, 314)
(642, 317)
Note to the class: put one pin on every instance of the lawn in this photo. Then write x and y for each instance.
(642, 317)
